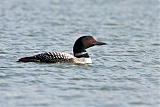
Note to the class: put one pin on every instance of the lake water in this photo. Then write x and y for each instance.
(124, 73)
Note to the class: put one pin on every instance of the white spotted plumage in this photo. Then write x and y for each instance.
(61, 57)
(55, 57)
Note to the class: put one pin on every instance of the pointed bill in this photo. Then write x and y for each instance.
(99, 43)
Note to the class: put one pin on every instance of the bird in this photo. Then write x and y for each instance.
(79, 50)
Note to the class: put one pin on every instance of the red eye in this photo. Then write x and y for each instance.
(89, 40)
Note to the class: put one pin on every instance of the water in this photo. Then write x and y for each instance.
(124, 73)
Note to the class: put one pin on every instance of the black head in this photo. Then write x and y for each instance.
(83, 43)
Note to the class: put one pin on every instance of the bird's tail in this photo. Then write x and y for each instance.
(28, 59)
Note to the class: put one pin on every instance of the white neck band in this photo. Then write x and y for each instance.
(79, 54)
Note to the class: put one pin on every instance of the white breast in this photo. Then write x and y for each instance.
(87, 60)
(83, 60)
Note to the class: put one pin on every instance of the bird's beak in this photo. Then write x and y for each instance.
(99, 43)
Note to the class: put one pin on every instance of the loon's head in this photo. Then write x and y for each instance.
(82, 44)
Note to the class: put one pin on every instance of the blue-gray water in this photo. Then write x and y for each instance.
(124, 73)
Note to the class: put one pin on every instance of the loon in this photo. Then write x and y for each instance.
(79, 49)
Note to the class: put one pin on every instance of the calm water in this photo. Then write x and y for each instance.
(124, 73)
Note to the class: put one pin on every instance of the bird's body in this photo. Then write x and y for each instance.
(80, 54)
(55, 57)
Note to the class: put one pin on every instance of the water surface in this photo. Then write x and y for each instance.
(124, 73)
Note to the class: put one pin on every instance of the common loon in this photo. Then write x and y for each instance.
(80, 54)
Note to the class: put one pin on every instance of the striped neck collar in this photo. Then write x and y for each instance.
(82, 54)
